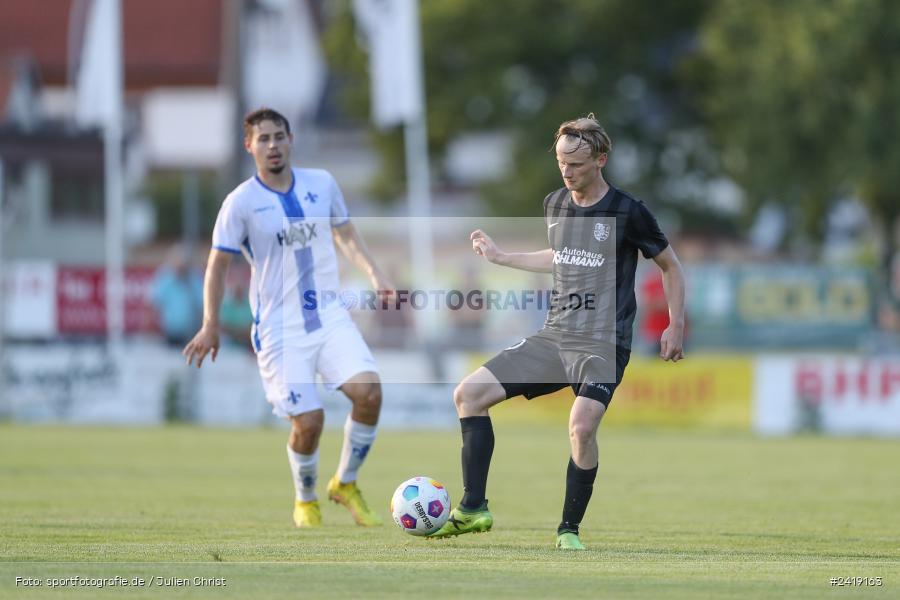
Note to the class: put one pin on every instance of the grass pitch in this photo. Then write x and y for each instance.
(674, 515)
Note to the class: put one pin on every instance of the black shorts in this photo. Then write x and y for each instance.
(550, 360)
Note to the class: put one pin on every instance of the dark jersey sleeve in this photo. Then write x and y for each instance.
(643, 231)
(547, 204)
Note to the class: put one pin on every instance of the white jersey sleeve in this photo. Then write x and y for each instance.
(231, 226)
(339, 212)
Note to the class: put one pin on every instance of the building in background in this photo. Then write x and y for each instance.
(187, 81)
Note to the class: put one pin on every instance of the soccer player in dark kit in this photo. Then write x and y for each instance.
(595, 232)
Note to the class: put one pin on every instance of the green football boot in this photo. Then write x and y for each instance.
(464, 520)
(568, 540)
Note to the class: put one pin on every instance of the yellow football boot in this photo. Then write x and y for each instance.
(348, 495)
(307, 514)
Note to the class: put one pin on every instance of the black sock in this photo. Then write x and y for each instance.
(478, 446)
(579, 487)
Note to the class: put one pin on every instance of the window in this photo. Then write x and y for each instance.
(76, 194)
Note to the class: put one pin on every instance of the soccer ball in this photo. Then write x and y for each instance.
(420, 506)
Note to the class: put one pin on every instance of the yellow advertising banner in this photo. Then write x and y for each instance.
(705, 390)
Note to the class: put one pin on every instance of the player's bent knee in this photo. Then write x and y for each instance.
(310, 430)
(298, 437)
(365, 397)
(581, 433)
(465, 398)
(474, 398)
(371, 398)
(305, 433)
(459, 398)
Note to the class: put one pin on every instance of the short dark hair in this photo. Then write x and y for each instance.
(588, 131)
(264, 114)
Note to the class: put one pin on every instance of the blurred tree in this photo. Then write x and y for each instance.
(166, 191)
(872, 72)
(528, 65)
(802, 97)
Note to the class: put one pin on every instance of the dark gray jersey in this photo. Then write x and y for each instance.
(594, 262)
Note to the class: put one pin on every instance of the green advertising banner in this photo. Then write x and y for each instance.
(775, 307)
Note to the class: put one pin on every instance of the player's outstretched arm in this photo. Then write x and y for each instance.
(207, 339)
(672, 341)
(352, 246)
(538, 262)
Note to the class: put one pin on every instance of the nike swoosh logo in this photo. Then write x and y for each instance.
(551, 225)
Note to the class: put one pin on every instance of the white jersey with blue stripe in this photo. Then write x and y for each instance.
(287, 239)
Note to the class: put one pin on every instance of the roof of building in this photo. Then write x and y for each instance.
(166, 42)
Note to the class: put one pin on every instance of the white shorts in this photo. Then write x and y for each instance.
(336, 353)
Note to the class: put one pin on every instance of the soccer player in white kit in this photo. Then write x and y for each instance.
(286, 222)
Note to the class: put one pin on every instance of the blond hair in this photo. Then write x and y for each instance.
(588, 131)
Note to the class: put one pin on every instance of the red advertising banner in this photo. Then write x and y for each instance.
(81, 301)
(839, 394)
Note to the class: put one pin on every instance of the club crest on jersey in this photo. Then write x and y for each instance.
(601, 232)
(297, 233)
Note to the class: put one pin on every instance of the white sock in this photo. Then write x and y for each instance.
(304, 469)
(358, 438)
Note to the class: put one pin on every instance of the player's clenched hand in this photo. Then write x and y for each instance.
(671, 344)
(382, 284)
(484, 246)
(206, 341)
